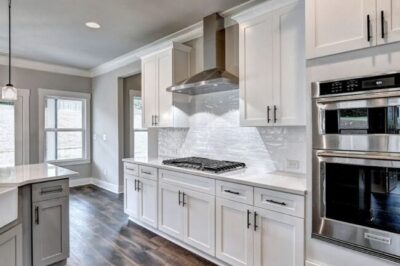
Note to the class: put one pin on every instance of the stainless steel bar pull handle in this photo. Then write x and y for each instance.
(382, 24)
(231, 192)
(276, 202)
(138, 185)
(255, 221)
(275, 109)
(268, 110)
(135, 185)
(248, 219)
(179, 198)
(183, 199)
(369, 28)
(37, 214)
(49, 190)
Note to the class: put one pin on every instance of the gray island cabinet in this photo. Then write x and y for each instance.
(39, 236)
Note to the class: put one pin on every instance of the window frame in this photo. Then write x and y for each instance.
(132, 95)
(45, 94)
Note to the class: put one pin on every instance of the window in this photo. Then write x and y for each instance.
(65, 126)
(140, 133)
(7, 134)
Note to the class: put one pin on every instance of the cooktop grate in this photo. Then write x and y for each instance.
(204, 164)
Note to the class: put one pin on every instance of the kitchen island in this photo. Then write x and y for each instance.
(34, 211)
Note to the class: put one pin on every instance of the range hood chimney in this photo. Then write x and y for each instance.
(214, 78)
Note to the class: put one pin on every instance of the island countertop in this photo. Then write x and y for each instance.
(254, 176)
(32, 173)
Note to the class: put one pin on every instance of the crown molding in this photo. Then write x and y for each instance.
(40, 66)
(260, 8)
(192, 32)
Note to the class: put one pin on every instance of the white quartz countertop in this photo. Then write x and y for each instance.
(32, 173)
(281, 181)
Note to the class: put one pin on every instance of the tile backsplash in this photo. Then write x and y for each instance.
(215, 133)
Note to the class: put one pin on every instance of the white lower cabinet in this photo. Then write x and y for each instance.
(234, 234)
(253, 236)
(170, 211)
(199, 220)
(141, 199)
(188, 215)
(278, 239)
(147, 201)
(131, 196)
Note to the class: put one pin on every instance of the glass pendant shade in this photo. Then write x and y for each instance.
(9, 93)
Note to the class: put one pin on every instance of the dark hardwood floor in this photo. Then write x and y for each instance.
(100, 234)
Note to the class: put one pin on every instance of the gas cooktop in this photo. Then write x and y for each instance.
(204, 164)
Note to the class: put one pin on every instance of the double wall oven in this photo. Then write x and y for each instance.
(356, 163)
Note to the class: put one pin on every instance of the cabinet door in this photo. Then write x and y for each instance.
(164, 116)
(199, 221)
(131, 197)
(278, 240)
(234, 232)
(148, 201)
(256, 71)
(50, 231)
(11, 247)
(339, 26)
(170, 211)
(149, 90)
(289, 66)
(388, 21)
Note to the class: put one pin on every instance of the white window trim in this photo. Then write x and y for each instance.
(43, 94)
(21, 108)
(132, 95)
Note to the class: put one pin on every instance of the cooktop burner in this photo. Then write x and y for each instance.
(205, 164)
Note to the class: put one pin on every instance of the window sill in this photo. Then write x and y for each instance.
(69, 162)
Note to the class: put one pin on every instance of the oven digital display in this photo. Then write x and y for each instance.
(378, 83)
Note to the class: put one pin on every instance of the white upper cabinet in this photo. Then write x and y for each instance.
(159, 71)
(388, 21)
(272, 67)
(339, 26)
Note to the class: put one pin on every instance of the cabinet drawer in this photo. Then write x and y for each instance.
(132, 169)
(148, 172)
(279, 201)
(196, 183)
(236, 192)
(50, 190)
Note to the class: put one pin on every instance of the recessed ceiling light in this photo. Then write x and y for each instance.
(93, 25)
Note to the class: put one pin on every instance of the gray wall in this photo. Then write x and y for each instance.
(108, 120)
(33, 80)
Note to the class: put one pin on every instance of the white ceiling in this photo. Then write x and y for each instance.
(53, 31)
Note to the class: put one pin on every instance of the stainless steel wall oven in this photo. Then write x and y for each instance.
(356, 163)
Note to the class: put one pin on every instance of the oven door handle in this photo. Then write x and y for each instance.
(361, 155)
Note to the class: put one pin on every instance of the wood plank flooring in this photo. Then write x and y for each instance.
(100, 234)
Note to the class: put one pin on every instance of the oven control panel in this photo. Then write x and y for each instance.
(360, 84)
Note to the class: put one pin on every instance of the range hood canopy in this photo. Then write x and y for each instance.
(214, 78)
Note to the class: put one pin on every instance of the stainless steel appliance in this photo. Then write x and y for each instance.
(359, 114)
(356, 164)
(204, 164)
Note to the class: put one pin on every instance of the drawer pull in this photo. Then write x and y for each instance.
(248, 219)
(130, 169)
(276, 202)
(138, 185)
(147, 173)
(232, 192)
(179, 198)
(37, 214)
(51, 190)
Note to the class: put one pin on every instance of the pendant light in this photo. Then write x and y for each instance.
(9, 92)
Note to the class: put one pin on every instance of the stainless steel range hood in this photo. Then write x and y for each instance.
(214, 78)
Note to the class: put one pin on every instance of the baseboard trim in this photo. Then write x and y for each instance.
(309, 263)
(96, 182)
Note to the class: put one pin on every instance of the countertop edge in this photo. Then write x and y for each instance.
(301, 192)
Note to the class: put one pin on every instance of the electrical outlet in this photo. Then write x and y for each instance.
(104, 137)
(292, 164)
